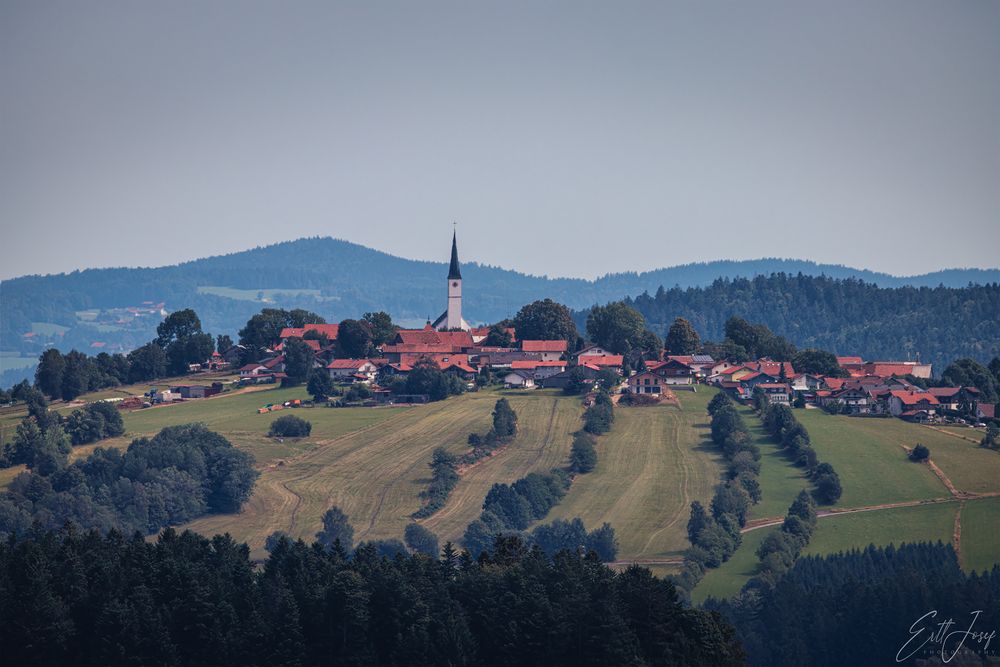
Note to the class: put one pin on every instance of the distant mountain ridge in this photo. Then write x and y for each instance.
(339, 279)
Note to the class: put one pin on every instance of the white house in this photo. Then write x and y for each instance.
(352, 369)
(519, 380)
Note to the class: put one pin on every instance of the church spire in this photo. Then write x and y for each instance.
(453, 272)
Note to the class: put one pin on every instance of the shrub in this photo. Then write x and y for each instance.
(290, 426)
(583, 456)
(421, 540)
(920, 453)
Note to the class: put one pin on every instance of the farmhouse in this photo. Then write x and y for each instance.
(776, 392)
(550, 350)
(912, 405)
(672, 371)
(350, 370)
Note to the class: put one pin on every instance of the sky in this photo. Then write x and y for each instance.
(563, 138)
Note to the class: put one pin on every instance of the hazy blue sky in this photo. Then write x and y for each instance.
(566, 138)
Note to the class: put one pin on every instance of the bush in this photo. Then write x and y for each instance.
(583, 456)
(290, 426)
(358, 392)
(920, 453)
(94, 422)
(639, 400)
(336, 528)
(421, 540)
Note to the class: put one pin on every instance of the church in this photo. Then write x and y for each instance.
(451, 318)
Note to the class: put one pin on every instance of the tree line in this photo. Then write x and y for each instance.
(863, 607)
(72, 597)
(842, 316)
(716, 535)
(788, 432)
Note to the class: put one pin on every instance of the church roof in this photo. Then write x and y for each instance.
(453, 271)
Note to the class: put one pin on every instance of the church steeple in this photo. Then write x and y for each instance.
(453, 271)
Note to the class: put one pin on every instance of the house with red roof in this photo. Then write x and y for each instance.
(963, 399)
(602, 361)
(986, 411)
(329, 330)
(912, 405)
(672, 371)
(550, 350)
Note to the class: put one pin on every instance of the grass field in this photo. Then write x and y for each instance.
(255, 295)
(866, 453)
(836, 533)
(780, 480)
(921, 523)
(651, 465)
(48, 328)
(728, 579)
(546, 422)
(374, 474)
(980, 544)
(12, 361)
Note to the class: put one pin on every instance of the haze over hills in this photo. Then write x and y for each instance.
(339, 279)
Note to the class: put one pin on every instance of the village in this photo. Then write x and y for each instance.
(860, 388)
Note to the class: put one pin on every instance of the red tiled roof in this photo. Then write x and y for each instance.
(347, 364)
(988, 410)
(330, 330)
(772, 368)
(310, 343)
(842, 361)
(419, 348)
(427, 336)
(271, 363)
(603, 360)
(887, 368)
(944, 392)
(834, 383)
(543, 345)
(683, 358)
(913, 398)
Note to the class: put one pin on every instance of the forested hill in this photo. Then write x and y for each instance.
(338, 279)
(938, 324)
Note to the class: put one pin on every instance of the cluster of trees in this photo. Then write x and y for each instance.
(179, 474)
(842, 316)
(84, 598)
(444, 477)
(715, 535)
(44, 439)
(289, 426)
(509, 508)
(621, 329)
(502, 431)
(583, 454)
(598, 418)
(93, 422)
(970, 373)
(543, 320)
(781, 423)
(863, 607)
(780, 549)
(991, 440)
(178, 343)
(920, 453)
(427, 378)
(572, 536)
